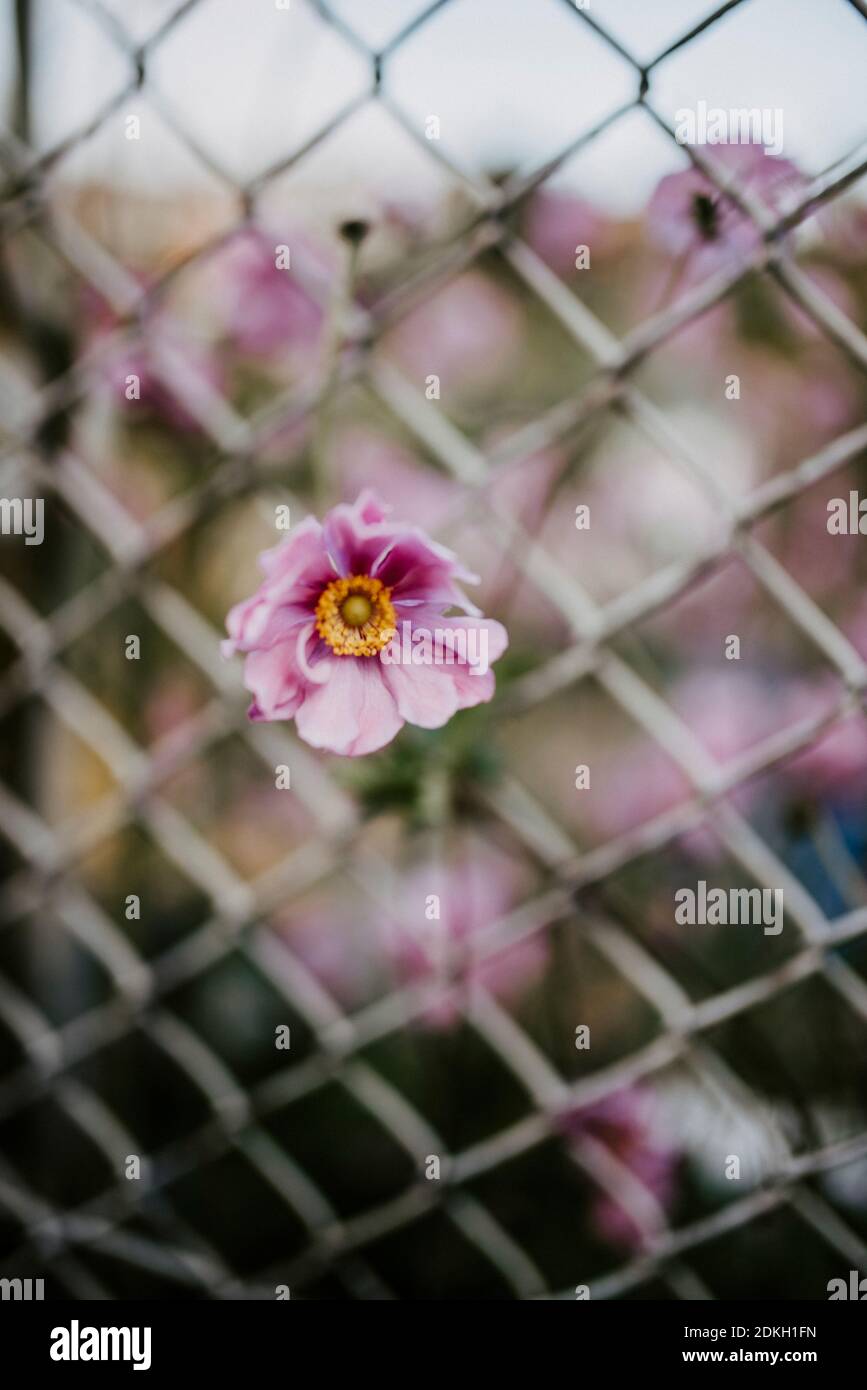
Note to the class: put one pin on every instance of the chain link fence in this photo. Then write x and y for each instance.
(108, 1237)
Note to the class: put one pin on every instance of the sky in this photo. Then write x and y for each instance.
(512, 82)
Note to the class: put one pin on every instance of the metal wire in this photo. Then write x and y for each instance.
(239, 910)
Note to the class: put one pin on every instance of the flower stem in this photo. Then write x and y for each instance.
(352, 234)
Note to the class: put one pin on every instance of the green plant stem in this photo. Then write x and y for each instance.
(341, 301)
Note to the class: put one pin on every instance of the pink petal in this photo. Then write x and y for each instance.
(412, 562)
(295, 552)
(471, 690)
(307, 646)
(423, 697)
(352, 545)
(370, 508)
(271, 678)
(428, 618)
(259, 623)
(353, 712)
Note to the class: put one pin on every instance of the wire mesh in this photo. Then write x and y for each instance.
(146, 1232)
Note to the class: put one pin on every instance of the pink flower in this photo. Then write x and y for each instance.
(835, 764)
(469, 334)
(170, 704)
(268, 309)
(335, 939)
(728, 713)
(855, 626)
(361, 456)
(688, 217)
(441, 909)
(797, 403)
(347, 634)
(423, 931)
(136, 369)
(556, 224)
(622, 1123)
(823, 564)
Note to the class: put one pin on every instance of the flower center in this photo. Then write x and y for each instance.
(356, 610)
(355, 616)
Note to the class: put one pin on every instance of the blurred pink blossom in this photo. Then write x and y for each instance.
(139, 365)
(623, 1123)
(170, 704)
(727, 713)
(468, 334)
(690, 220)
(268, 309)
(556, 224)
(364, 457)
(319, 633)
(338, 943)
(355, 946)
(728, 710)
(439, 912)
(836, 763)
(820, 562)
(524, 488)
(855, 626)
(794, 405)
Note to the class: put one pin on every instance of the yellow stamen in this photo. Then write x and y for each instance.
(355, 616)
